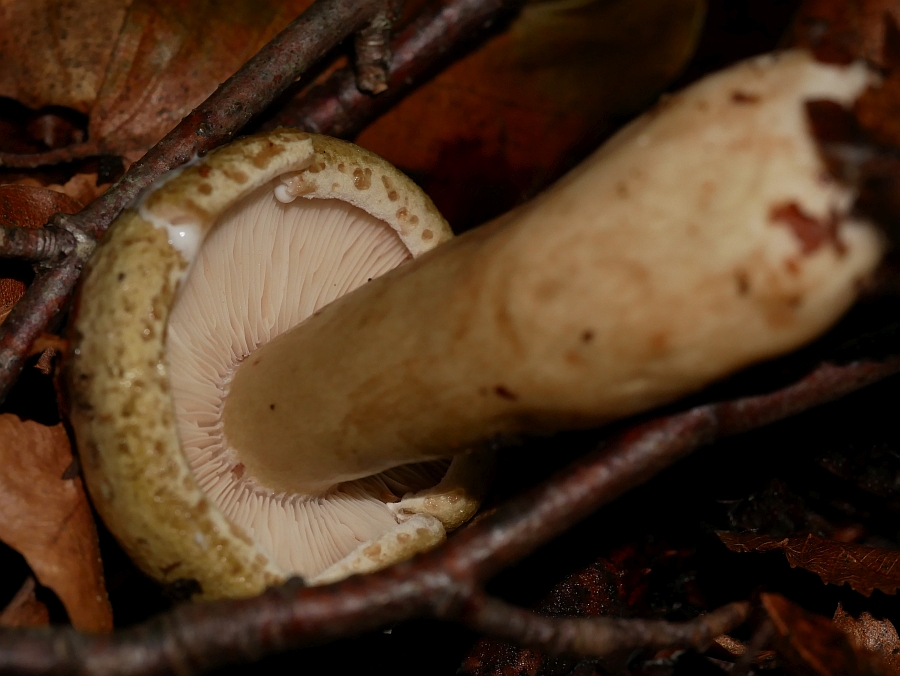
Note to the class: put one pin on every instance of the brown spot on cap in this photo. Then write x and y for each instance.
(740, 97)
(205, 188)
(393, 196)
(811, 232)
(372, 550)
(262, 159)
(362, 178)
(402, 213)
(236, 175)
(587, 336)
(427, 234)
(742, 281)
(238, 470)
(204, 171)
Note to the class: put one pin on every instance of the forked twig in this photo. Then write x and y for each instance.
(337, 107)
(446, 583)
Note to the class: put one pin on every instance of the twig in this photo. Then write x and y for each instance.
(38, 244)
(603, 636)
(224, 113)
(446, 582)
(338, 108)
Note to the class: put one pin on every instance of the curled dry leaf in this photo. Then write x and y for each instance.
(812, 644)
(46, 518)
(517, 113)
(25, 610)
(25, 206)
(864, 568)
(876, 636)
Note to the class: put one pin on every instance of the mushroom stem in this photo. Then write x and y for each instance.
(702, 238)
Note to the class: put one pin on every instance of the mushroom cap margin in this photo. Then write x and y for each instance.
(121, 405)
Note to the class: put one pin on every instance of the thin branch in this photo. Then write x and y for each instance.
(248, 92)
(602, 636)
(444, 583)
(337, 107)
(35, 244)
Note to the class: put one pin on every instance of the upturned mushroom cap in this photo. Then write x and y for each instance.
(162, 322)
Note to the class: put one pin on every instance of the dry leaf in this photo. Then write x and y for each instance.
(135, 67)
(170, 56)
(47, 519)
(513, 115)
(56, 53)
(82, 188)
(864, 568)
(812, 644)
(25, 610)
(877, 636)
(25, 206)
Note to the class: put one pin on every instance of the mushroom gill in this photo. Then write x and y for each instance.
(267, 265)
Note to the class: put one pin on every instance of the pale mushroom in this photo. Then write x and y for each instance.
(702, 238)
(287, 222)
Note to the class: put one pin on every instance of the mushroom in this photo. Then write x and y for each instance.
(217, 260)
(707, 235)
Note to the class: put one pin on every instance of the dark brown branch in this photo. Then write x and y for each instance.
(446, 582)
(602, 636)
(38, 244)
(223, 114)
(338, 108)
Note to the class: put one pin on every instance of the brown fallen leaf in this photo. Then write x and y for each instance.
(47, 519)
(876, 636)
(516, 113)
(25, 610)
(136, 67)
(56, 53)
(864, 568)
(812, 644)
(25, 206)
